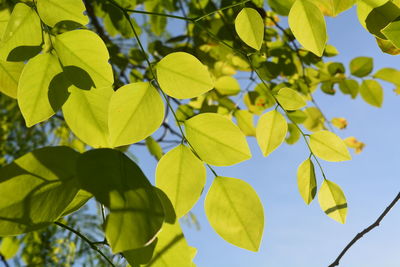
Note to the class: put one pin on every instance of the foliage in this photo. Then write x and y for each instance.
(83, 81)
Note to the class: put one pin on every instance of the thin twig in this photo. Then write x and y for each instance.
(84, 238)
(3, 260)
(366, 230)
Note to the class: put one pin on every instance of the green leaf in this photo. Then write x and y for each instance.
(136, 111)
(334, 7)
(235, 212)
(227, 85)
(290, 99)
(217, 140)
(136, 213)
(9, 77)
(42, 89)
(245, 121)
(371, 91)
(78, 202)
(332, 201)
(282, 7)
(54, 11)
(392, 32)
(315, 120)
(361, 66)
(306, 181)
(349, 87)
(271, 131)
(182, 176)
(84, 57)
(182, 76)
(9, 247)
(294, 134)
(375, 15)
(23, 36)
(36, 188)
(140, 256)
(389, 75)
(328, 146)
(154, 148)
(308, 26)
(86, 113)
(250, 27)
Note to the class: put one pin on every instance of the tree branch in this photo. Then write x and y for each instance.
(366, 230)
(91, 244)
(3, 260)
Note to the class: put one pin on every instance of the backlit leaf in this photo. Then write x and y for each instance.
(332, 201)
(308, 26)
(22, 37)
(271, 131)
(217, 140)
(250, 27)
(245, 121)
(389, 75)
(328, 146)
(182, 76)
(372, 92)
(36, 188)
(54, 11)
(227, 85)
(235, 212)
(290, 99)
(9, 77)
(361, 66)
(182, 176)
(136, 111)
(306, 182)
(136, 213)
(86, 113)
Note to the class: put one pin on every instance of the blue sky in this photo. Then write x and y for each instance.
(298, 235)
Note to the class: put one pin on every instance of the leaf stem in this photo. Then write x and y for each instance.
(91, 244)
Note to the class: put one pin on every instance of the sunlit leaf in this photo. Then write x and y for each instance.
(271, 131)
(308, 26)
(36, 188)
(235, 212)
(332, 201)
(182, 76)
(361, 66)
(306, 182)
(217, 140)
(245, 121)
(328, 146)
(227, 85)
(372, 92)
(54, 11)
(389, 75)
(290, 99)
(136, 213)
(250, 27)
(182, 176)
(80, 199)
(136, 111)
(10, 73)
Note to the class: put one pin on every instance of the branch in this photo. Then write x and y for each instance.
(366, 230)
(3, 260)
(91, 244)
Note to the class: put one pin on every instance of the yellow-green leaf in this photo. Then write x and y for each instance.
(271, 131)
(391, 31)
(54, 11)
(227, 85)
(235, 212)
(86, 113)
(361, 66)
(332, 201)
(290, 99)
(84, 57)
(308, 26)
(389, 75)
(10, 73)
(9, 247)
(182, 176)
(217, 140)
(154, 148)
(245, 121)
(334, 7)
(328, 146)
(250, 27)
(182, 76)
(136, 111)
(42, 88)
(315, 120)
(306, 182)
(23, 35)
(78, 202)
(371, 91)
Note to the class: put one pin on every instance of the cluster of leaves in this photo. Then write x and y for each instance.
(108, 90)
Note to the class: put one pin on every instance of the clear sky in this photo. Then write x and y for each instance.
(297, 235)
